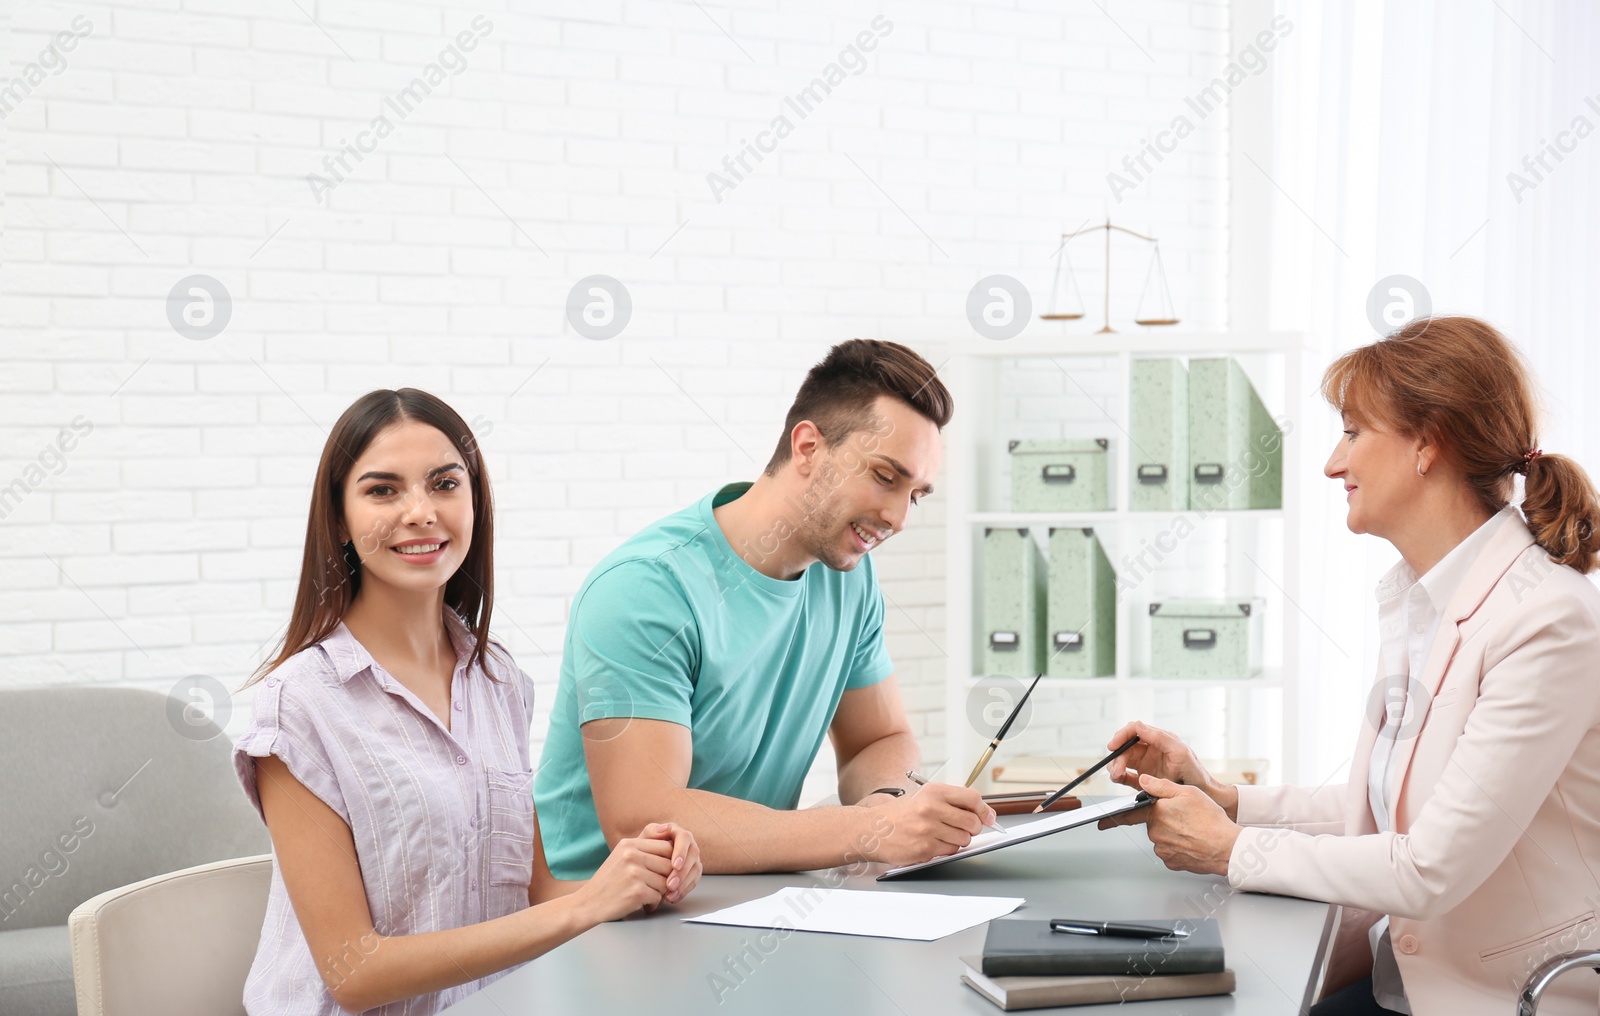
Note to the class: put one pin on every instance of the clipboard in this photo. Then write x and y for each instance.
(1049, 822)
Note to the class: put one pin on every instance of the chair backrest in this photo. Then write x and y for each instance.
(106, 786)
(179, 944)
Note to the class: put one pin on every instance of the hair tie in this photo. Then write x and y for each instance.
(1527, 457)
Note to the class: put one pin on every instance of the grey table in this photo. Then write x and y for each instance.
(660, 966)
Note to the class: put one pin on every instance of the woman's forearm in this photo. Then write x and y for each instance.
(553, 888)
(379, 969)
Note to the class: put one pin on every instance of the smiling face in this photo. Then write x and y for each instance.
(1379, 471)
(408, 508)
(861, 490)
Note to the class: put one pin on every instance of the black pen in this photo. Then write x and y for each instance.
(1053, 798)
(1115, 929)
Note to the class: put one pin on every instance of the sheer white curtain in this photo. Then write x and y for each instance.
(1459, 144)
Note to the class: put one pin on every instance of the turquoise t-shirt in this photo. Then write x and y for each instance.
(674, 626)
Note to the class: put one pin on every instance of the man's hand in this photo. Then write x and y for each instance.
(1190, 831)
(936, 820)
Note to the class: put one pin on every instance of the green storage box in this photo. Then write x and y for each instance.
(1218, 640)
(1081, 611)
(1160, 436)
(1235, 447)
(1013, 604)
(1060, 476)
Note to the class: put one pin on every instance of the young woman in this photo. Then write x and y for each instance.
(388, 751)
(1466, 846)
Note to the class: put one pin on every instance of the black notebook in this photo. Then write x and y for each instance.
(1022, 948)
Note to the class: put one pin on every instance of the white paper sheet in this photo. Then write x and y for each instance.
(920, 916)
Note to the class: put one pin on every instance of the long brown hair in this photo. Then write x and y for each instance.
(1458, 383)
(330, 571)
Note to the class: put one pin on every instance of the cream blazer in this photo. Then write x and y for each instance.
(1494, 862)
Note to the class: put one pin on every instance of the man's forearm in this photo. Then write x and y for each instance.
(739, 837)
(883, 763)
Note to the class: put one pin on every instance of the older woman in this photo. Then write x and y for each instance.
(1465, 848)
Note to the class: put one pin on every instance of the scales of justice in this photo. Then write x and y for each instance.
(1066, 301)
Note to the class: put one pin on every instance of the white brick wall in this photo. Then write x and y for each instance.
(178, 138)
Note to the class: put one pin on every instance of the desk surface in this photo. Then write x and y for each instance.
(659, 966)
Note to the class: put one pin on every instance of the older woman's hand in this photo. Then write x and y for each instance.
(1190, 831)
(1162, 754)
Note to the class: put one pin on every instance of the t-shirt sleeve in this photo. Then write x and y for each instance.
(871, 663)
(285, 724)
(634, 646)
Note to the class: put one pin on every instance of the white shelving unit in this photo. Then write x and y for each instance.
(1257, 551)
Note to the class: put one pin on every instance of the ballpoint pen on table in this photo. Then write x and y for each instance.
(1115, 929)
(1053, 798)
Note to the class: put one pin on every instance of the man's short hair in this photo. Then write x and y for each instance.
(838, 394)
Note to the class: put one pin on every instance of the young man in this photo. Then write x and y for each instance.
(707, 656)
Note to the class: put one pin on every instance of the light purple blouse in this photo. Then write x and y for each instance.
(442, 819)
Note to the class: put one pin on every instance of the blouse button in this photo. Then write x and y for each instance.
(461, 760)
(1408, 944)
(458, 707)
(474, 884)
(473, 821)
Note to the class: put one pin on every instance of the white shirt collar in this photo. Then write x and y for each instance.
(1443, 579)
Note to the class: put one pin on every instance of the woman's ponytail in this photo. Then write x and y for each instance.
(1562, 509)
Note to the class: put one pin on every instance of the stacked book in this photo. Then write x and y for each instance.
(1027, 965)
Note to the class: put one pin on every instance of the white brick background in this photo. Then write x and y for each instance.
(577, 140)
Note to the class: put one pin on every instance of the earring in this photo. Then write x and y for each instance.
(1419, 469)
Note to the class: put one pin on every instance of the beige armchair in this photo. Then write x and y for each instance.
(101, 787)
(178, 944)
